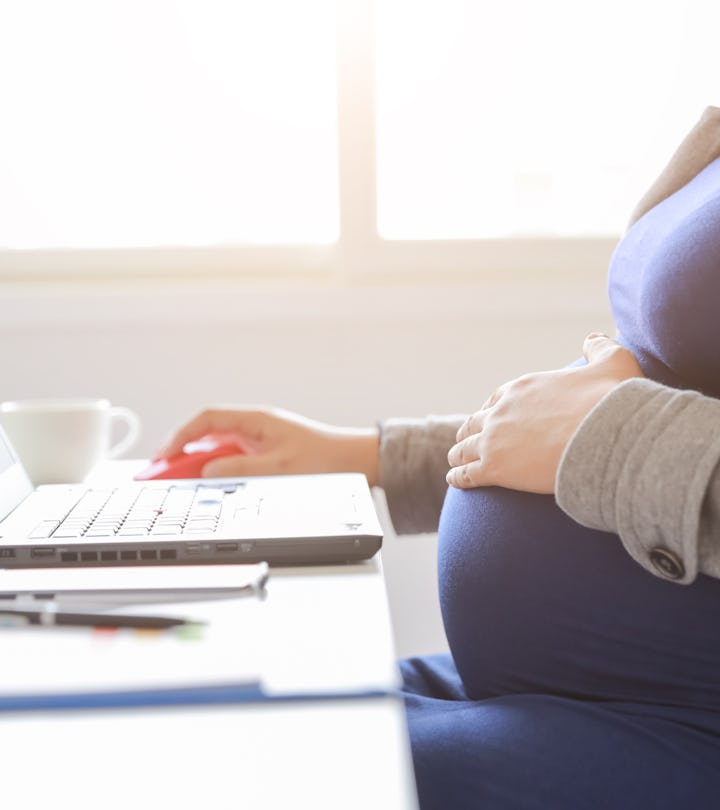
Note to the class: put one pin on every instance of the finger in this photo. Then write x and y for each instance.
(597, 346)
(493, 398)
(464, 451)
(473, 424)
(464, 430)
(467, 476)
(242, 465)
(194, 429)
(209, 421)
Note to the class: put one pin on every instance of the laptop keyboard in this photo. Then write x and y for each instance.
(152, 511)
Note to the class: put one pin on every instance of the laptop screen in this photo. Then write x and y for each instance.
(6, 457)
(14, 483)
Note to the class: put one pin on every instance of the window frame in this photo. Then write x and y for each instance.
(359, 250)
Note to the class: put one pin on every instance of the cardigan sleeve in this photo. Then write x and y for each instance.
(413, 466)
(644, 464)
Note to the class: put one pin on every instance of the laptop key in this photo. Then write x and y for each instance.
(44, 529)
(200, 524)
(169, 529)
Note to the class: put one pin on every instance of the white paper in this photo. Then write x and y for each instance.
(63, 661)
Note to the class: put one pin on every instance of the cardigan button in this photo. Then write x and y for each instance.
(667, 563)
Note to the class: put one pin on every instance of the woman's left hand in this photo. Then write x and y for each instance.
(516, 440)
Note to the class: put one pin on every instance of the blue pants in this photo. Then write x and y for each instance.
(578, 679)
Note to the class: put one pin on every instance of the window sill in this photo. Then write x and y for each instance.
(328, 297)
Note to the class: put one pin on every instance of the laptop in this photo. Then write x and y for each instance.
(284, 520)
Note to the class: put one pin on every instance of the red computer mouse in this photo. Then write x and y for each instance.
(195, 456)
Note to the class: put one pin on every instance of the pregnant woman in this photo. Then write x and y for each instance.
(579, 541)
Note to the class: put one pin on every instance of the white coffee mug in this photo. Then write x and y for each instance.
(59, 441)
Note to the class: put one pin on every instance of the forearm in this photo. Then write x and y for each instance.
(412, 469)
(644, 464)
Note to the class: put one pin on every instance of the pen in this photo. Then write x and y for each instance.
(53, 618)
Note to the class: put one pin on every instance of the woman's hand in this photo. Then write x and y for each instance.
(516, 440)
(278, 442)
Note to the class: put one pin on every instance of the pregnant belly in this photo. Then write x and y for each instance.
(534, 602)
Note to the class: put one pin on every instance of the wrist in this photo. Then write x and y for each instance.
(360, 453)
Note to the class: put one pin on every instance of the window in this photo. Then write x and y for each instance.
(532, 119)
(136, 123)
(337, 134)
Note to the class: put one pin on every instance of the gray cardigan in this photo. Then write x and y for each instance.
(643, 464)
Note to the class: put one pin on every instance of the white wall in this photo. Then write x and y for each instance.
(346, 351)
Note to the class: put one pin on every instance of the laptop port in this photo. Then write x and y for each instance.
(108, 556)
(128, 555)
(43, 551)
(149, 554)
(88, 556)
(193, 548)
(7, 552)
(168, 554)
(69, 556)
(225, 547)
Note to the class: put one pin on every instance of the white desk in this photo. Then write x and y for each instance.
(323, 626)
(350, 754)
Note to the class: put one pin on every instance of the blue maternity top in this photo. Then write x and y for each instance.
(533, 602)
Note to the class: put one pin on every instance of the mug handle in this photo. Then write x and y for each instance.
(132, 422)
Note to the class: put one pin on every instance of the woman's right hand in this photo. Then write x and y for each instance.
(279, 442)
